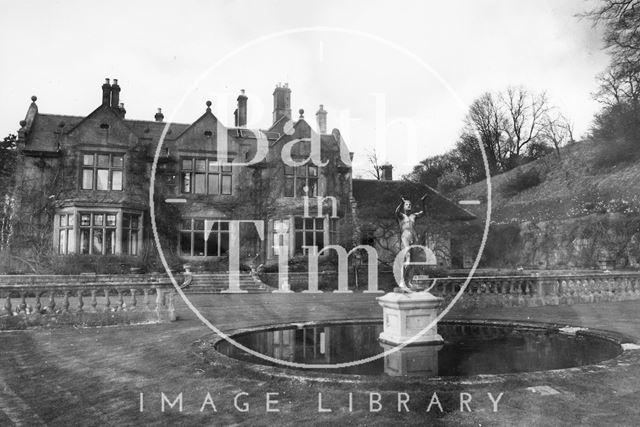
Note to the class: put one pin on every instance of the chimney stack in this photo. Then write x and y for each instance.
(115, 94)
(387, 172)
(106, 93)
(321, 117)
(159, 116)
(241, 117)
(281, 102)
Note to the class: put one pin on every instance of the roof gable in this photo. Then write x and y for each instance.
(102, 127)
(379, 199)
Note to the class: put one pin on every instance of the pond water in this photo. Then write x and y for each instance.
(469, 349)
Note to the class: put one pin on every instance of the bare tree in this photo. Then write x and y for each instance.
(621, 22)
(374, 164)
(525, 116)
(558, 130)
(487, 118)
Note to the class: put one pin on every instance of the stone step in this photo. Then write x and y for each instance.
(217, 282)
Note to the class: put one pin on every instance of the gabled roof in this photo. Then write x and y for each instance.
(379, 199)
(44, 132)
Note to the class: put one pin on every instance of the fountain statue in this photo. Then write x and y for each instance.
(407, 312)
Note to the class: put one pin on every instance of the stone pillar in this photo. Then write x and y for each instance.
(405, 315)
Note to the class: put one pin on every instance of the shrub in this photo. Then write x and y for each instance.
(616, 153)
(521, 181)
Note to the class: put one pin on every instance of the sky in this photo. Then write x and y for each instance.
(395, 76)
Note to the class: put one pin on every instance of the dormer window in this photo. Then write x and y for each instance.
(102, 171)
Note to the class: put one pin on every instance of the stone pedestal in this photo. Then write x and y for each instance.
(416, 360)
(405, 315)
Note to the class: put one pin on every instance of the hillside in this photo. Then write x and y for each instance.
(591, 177)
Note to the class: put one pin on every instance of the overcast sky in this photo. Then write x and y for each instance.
(162, 52)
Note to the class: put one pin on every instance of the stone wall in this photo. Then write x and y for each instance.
(605, 241)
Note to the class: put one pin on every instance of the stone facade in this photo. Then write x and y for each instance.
(83, 183)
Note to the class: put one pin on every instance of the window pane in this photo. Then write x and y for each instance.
(319, 240)
(87, 179)
(226, 167)
(186, 182)
(63, 220)
(185, 243)
(288, 170)
(224, 226)
(62, 244)
(300, 184)
(200, 187)
(111, 220)
(308, 223)
(126, 221)
(87, 160)
(312, 183)
(308, 238)
(319, 223)
(187, 164)
(288, 186)
(85, 219)
(116, 180)
(201, 166)
(103, 160)
(71, 241)
(110, 242)
(298, 223)
(224, 243)
(301, 170)
(198, 244)
(135, 219)
(84, 240)
(198, 224)
(134, 242)
(97, 241)
(212, 245)
(299, 242)
(102, 181)
(214, 183)
(226, 184)
(186, 224)
(125, 242)
(313, 171)
(98, 219)
(117, 161)
(72, 220)
(213, 166)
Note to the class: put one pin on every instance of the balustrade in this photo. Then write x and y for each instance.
(36, 300)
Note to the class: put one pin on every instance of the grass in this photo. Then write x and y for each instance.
(590, 177)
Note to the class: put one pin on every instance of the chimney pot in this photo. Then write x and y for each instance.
(106, 93)
(115, 94)
(281, 102)
(241, 111)
(387, 172)
(159, 116)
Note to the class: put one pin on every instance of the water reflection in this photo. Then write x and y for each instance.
(468, 349)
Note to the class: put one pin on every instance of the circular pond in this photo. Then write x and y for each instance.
(469, 349)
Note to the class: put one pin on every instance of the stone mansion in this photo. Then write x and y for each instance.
(85, 181)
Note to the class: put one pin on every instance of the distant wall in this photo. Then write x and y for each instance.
(594, 241)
